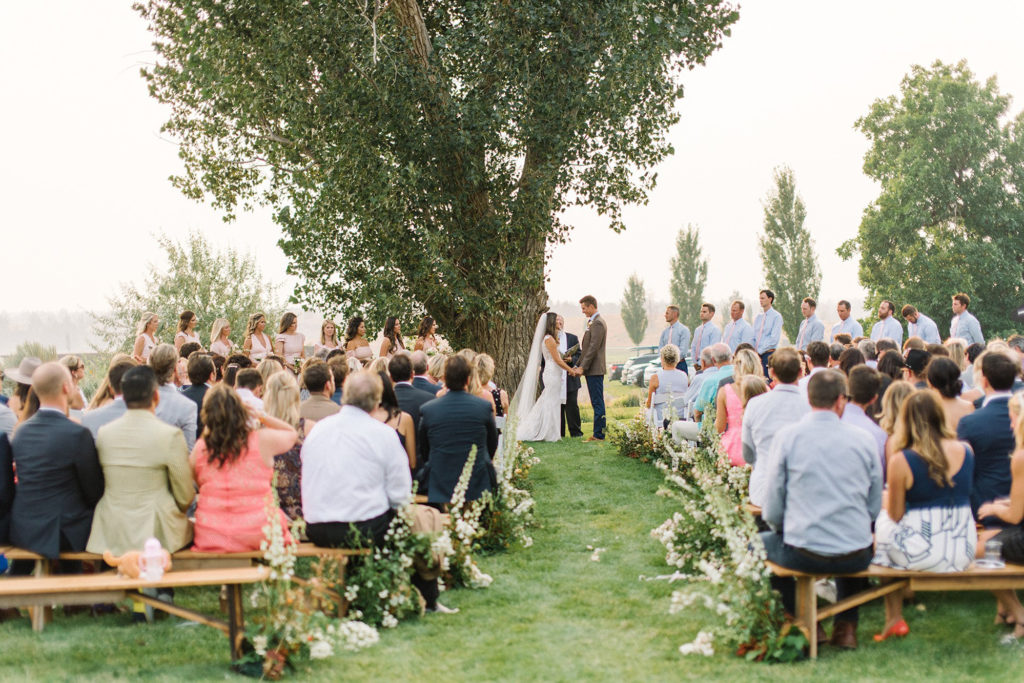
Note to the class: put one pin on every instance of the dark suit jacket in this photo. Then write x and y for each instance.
(196, 393)
(6, 489)
(426, 385)
(59, 483)
(410, 399)
(449, 427)
(988, 432)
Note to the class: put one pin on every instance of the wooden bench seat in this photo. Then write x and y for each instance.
(87, 589)
(808, 614)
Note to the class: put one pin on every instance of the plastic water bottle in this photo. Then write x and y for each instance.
(151, 562)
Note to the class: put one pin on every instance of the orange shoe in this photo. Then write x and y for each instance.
(900, 629)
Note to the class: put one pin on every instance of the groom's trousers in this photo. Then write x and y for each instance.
(595, 387)
(571, 413)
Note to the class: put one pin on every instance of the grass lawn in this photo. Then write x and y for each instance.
(551, 614)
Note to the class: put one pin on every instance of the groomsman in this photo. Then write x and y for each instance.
(738, 331)
(920, 325)
(705, 334)
(964, 325)
(811, 329)
(676, 333)
(571, 406)
(887, 326)
(767, 328)
(846, 324)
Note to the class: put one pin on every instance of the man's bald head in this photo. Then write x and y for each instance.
(51, 381)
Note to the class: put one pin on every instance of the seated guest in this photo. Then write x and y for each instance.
(148, 481)
(202, 375)
(667, 388)
(835, 352)
(174, 409)
(708, 369)
(483, 366)
(944, 378)
(914, 366)
(249, 386)
(435, 369)
(988, 432)
(817, 355)
(97, 417)
(825, 490)
(319, 381)
(188, 348)
(721, 356)
(844, 339)
(892, 401)
(1011, 513)
(883, 345)
(355, 474)
(6, 490)
(281, 400)
(927, 523)
(22, 377)
(59, 476)
(765, 415)
(390, 413)
(863, 384)
(729, 413)
(870, 353)
(421, 380)
(233, 465)
(8, 419)
(449, 427)
(914, 343)
(339, 371)
(849, 359)
(409, 397)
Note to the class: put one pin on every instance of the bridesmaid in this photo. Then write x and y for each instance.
(289, 344)
(356, 345)
(220, 344)
(145, 342)
(187, 322)
(257, 344)
(426, 340)
(328, 338)
(392, 343)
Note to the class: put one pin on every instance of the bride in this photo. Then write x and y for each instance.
(539, 419)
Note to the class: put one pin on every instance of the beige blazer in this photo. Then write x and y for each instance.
(592, 361)
(148, 485)
(317, 407)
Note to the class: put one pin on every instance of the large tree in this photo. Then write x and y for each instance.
(634, 308)
(787, 251)
(419, 155)
(689, 276)
(951, 212)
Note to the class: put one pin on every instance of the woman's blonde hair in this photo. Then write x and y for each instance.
(218, 326)
(892, 400)
(957, 352)
(379, 365)
(750, 386)
(104, 392)
(484, 368)
(746, 362)
(921, 426)
(268, 367)
(435, 366)
(669, 354)
(144, 321)
(281, 397)
(71, 362)
(254, 320)
(323, 332)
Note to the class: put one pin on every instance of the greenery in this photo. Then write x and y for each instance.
(389, 136)
(951, 211)
(787, 251)
(634, 308)
(689, 276)
(28, 349)
(194, 276)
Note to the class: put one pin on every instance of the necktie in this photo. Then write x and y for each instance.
(956, 325)
(728, 331)
(699, 337)
(760, 332)
(800, 337)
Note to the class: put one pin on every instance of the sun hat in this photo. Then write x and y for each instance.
(27, 367)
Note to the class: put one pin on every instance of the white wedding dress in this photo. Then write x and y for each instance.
(540, 419)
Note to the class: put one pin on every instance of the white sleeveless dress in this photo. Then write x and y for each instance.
(543, 422)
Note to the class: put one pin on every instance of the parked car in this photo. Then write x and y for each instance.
(615, 371)
(628, 375)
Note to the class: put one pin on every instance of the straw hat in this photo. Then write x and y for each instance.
(28, 366)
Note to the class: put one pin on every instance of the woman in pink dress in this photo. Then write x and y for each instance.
(220, 342)
(393, 342)
(426, 336)
(729, 417)
(356, 345)
(257, 344)
(145, 340)
(234, 467)
(328, 339)
(186, 333)
(289, 344)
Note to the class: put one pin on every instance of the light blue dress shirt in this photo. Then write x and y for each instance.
(709, 390)
(763, 418)
(965, 326)
(704, 336)
(925, 328)
(854, 415)
(678, 334)
(179, 411)
(825, 488)
(811, 329)
(767, 330)
(738, 332)
(848, 326)
(889, 328)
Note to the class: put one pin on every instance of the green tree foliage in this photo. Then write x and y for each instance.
(951, 212)
(419, 155)
(194, 276)
(634, 308)
(787, 251)
(689, 276)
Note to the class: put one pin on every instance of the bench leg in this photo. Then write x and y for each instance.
(807, 612)
(236, 621)
(41, 615)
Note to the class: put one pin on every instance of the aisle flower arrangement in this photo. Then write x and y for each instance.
(508, 515)
(460, 536)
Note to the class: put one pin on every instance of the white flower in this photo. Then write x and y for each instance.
(355, 635)
(320, 649)
(389, 620)
(596, 555)
(259, 643)
(703, 644)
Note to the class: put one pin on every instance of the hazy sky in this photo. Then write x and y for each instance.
(84, 174)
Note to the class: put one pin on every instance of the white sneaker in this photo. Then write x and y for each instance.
(441, 609)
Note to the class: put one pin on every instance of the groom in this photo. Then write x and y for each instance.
(592, 364)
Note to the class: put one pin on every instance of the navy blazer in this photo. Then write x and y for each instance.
(424, 384)
(6, 488)
(449, 427)
(410, 399)
(196, 393)
(59, 483)
(988, 432)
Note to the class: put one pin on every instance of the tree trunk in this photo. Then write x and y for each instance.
(507, 337)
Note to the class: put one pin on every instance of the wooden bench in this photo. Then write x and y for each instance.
(182, 560)
(87, 589)
(808, 614)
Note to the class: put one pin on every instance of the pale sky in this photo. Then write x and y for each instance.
(84, 179)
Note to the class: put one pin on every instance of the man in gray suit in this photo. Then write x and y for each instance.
(94, 419)
(174, 409)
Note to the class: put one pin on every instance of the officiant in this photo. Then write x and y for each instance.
(570, 385)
